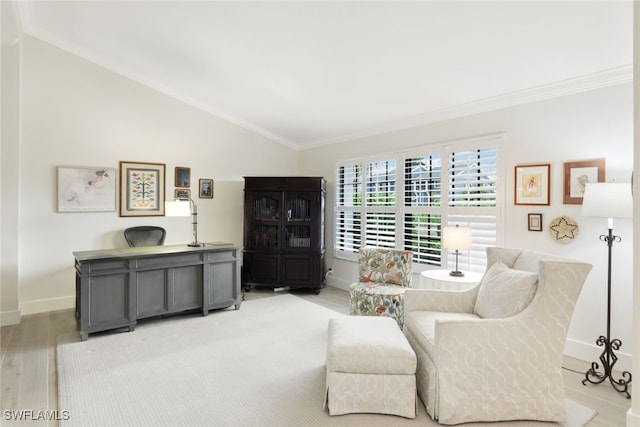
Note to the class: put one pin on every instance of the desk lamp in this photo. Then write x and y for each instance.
(185, 207)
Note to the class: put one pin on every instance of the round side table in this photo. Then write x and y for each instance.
(440, 279)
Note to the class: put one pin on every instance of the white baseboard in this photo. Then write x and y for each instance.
(633, 419)
(338, 283)
(591, 353)
(10, 317)
(46, 305)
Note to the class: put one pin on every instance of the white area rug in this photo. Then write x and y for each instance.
(262, 365)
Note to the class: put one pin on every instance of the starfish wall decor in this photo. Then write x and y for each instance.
(563, 229)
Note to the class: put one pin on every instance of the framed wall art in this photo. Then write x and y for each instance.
(205, 188)
(86, 189)
(183, 177)
(142, 189)
(576, 176)
(535, 222)
(532, 184)
(182, 193)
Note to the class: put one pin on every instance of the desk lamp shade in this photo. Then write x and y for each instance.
(456, 238)
(177, 208)
(185, 207)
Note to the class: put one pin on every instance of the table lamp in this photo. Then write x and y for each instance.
(456, 238)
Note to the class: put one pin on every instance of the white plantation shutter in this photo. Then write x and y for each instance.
(472, 178)
(348, 223)
(348, 231)
(380, 230)
(380, 185)
(422, 237)
(422, 207)
(422, 181)
(349, 186)
(380, 197)
(483, 234)
(405, 207)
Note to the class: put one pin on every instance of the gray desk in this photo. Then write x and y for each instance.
(116, 287)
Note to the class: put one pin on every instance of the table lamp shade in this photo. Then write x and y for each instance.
(177, 208)
(607, 200)
(458, 238)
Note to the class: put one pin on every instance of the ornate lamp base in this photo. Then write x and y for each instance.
(608, 359)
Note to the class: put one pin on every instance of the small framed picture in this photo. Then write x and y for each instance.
(532, 184)
(183, 177)
(182, 193)
(205, 187)
(576, 176)
(535, 222)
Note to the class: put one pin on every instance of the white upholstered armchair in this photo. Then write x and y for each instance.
(494, 352)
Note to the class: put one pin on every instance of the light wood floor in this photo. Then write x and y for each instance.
(29, 378)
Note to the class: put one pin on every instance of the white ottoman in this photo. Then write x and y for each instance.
(370, 367)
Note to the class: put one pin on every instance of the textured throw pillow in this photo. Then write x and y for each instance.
(505, 292)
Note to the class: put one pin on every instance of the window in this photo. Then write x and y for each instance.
(403, 200)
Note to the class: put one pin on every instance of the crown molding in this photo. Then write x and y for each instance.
(172, 93)
(587, 82)
(584, 83)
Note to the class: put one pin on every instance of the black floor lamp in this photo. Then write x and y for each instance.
(608, 200)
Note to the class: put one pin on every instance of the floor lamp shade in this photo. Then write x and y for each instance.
(607, 200)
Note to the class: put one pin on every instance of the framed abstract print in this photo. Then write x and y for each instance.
(182, 177)
(83, 189)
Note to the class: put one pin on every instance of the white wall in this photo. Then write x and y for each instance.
(588, 125)
(75, 113)
(9, 157)
(633, 415)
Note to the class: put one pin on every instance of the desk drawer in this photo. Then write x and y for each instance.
(168, 261)
(221, 256)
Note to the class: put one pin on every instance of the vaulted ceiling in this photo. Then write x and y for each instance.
(319, 72)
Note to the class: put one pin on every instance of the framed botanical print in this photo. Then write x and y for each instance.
(576, 176)
(532, 184)
(142, 189)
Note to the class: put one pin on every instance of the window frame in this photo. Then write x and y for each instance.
(472, 260)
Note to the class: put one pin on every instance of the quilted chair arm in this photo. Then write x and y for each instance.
(437, 300)
(479, 360)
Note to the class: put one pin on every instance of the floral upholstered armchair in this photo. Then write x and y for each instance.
(384, 275)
